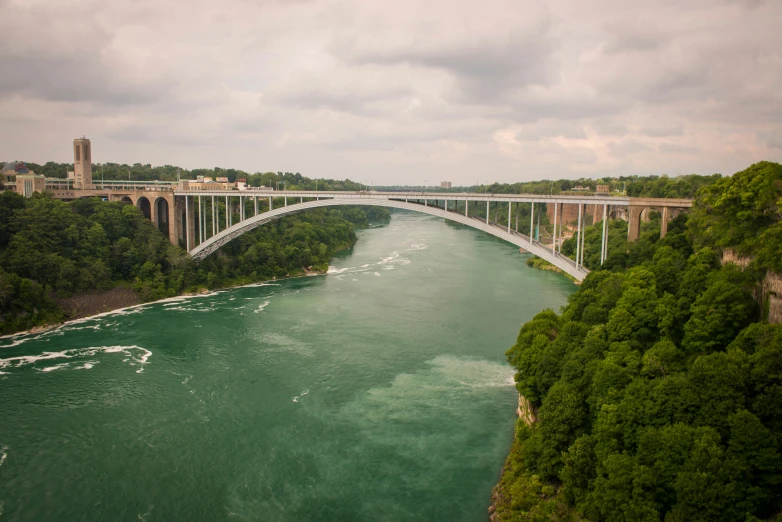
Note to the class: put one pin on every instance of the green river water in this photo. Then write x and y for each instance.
(379, 391)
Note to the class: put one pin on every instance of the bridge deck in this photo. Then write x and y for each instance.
(594, 199)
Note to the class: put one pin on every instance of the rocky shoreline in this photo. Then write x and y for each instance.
(85, 306)
(527, 414)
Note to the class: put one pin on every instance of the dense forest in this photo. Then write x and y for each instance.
(51, 250)
(656, 392)
(634, 186)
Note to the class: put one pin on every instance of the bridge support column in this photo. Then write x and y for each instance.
(189, 224)
(487, 212)
(153, 212)
(286, 201)
(255, 204)
(561, 221)
(664, 222)
(176, 234)
(604, 237)
(531, 221)
(578, 235)
(509, 205)
(634, 223)
(554, 236)
(270, 203)
(227, 213)
(583, 238)
(466, 202)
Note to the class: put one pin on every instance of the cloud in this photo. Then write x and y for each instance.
(395, 90)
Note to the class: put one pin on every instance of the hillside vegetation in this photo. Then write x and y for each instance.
(658, 388)
(50, 250)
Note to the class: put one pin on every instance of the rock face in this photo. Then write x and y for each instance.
(499, 496)
(769, 290)
(525, 411)
(85, 305)
(772, 290)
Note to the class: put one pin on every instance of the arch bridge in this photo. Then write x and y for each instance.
(198, 213)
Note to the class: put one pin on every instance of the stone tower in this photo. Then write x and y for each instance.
(82, 163)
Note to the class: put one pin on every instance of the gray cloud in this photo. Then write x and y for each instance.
(448, 88)
(484, 70)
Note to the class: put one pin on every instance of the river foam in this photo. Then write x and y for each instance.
(137, 356)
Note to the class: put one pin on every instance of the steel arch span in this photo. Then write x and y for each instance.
(534, 247)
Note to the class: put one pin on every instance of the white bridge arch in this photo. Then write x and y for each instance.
(534, 247)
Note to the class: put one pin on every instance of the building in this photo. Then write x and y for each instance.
(28, 184)
(16, 176)
(82, 163)
(208, 184)
(445, 184)
(603, 189)
(8, 176)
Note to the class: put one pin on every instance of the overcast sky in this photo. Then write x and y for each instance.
(397, 91)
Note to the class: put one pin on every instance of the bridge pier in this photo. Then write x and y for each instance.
(153, 213)
(189, 223)
(578, 235)
(664, 222)
(554, 235)
(634, 215)
(604, 237)
(531, 222)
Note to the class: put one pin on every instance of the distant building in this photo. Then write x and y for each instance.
(82, 163)
(580, 188)
(445, 184)
(221, 179)
(18, 177)
(603, 189)
(241, 183)
(8, 176)
(28, 184)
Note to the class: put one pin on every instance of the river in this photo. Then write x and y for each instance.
(378, 391)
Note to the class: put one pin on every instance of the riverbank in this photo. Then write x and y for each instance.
(516, 499)
(542, 264)
(86, 305)
(90, 306)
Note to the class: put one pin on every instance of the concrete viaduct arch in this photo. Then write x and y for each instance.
(534, 247)
(160, 207)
